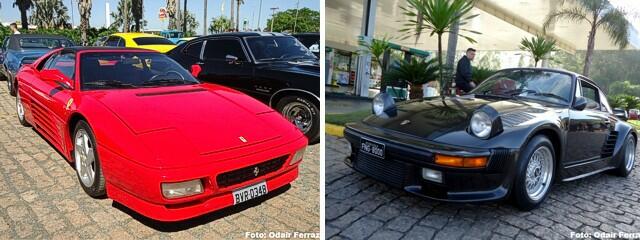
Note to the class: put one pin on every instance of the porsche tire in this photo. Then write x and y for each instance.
(628, 159)
(20, 111)
(87, 162)
(303, 114)
(535, 173)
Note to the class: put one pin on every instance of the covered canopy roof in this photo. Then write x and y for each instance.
(503, 23)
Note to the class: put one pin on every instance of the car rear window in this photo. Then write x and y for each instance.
(44, 43)
(152, 41)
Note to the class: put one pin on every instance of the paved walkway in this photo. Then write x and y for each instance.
(358, 207)
(40, 197)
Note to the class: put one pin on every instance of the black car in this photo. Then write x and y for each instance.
(273, 68)
(310, 40)
(514, 135)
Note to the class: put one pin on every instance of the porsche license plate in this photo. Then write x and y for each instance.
(373, 148)
(250, 192)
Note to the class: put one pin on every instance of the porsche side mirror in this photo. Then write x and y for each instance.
(57, 77)
(195, 70)
(580, 103)
(384, 106)
(231, 59)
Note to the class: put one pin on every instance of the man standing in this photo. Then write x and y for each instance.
(14, 28)
(463, 71)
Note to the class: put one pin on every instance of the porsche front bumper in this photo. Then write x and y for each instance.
(406, 157)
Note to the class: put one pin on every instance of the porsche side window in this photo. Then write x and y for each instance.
(219, 49)
(605, 103)
(194, 49)
(591, 94)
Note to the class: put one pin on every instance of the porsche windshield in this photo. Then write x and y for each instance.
(131, 70)
(279, 48)
(549, 86)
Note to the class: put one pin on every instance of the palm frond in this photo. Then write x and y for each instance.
(539, 47)
(575, 14)
(616, 25)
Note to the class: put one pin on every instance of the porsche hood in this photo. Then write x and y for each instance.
(430, 119)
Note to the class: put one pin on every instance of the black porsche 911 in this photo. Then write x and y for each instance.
(514, 135)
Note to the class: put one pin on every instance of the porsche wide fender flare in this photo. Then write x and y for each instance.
(623, 129)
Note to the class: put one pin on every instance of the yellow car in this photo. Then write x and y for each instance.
(140, 40)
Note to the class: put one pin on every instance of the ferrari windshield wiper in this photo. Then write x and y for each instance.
(163, 82)
(110, 83)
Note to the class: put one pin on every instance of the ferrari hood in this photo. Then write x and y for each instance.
(430, 119)
(195, 119)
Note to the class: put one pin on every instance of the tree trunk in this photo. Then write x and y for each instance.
(238, 16)
(232, 16)
(125, 15)
(590, 46)
(23, 19)
(452, 45)
(444, 85)
(416, 91)
(204, 29)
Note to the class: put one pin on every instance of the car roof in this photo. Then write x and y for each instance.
(246, 34)
(78, 49)
(135, 35)
(14, 39)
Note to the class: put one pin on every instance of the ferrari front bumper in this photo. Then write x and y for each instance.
(405, 160)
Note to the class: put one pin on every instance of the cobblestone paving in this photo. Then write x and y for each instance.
(358, 207)
(40, 197)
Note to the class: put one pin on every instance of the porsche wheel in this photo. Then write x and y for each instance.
(87, 162)
(535, 173)
(20, 111)
(303, 114)
(629, 160)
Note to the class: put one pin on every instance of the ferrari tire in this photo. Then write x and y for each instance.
(534, 174)
(303, 114)
(87, 162)
(628, 159)
(20, 111)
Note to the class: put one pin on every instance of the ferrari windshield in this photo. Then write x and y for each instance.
(549, 86)
(279, 48)
(109, 70)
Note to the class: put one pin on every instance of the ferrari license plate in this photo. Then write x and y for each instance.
(250, 192)
(373, 148)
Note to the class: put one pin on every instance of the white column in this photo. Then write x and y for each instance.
(363, 71)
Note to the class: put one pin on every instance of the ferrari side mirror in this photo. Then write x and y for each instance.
(580, 103)
(57, 77)
(195, 70)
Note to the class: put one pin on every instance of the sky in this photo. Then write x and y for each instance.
(249, 11)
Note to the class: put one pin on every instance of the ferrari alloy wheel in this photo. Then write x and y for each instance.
(628, 156)
(303, 114)
(538, 175)
(20, 111)
(86, 161)
(535, 173)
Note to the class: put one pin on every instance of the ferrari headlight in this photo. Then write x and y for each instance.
(297, 157)
(182, 189)
(481, 124)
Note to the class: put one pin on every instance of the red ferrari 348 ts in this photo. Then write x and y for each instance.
(142, 130)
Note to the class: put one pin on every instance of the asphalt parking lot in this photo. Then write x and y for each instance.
(40, 197)
(358, 207)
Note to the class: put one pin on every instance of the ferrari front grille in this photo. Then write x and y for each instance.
(251, 172)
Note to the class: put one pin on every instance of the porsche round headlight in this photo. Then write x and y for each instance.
(378, 105)
(481, 124)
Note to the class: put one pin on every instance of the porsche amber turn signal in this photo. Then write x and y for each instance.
(463, 162)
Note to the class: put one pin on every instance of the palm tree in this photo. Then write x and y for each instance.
(232, 9)
(437, 17)
(171, 14)
(538, 47)
(49, 14)
(84, 6)
(414, 72)
(23, 6)
(240, 2)
(599, 14)
(377, 48)
(137, 13)
(119, 18)
(220, 24)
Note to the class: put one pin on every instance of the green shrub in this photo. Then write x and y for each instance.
(73, 34)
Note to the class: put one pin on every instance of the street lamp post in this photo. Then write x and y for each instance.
(259, 16)
(273, 16)
(204, 31)
(295, 20)
(184, 18)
